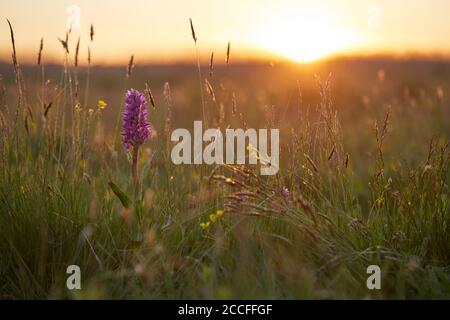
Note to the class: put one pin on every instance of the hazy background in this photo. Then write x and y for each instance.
(381, 54)
(158, 31)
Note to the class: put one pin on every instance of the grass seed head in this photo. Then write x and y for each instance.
(194, 36)
(41, 48)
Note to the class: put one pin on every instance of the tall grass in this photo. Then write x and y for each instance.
(61, 203)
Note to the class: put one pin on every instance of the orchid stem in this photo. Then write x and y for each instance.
(134, 170)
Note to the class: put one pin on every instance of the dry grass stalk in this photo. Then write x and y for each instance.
(229, 181)
(210, 90)
(167, 94)
(14, 55)
(311, 162)
(233, 105)
(65, 43)
(91, 32)
(77, 89)
(148, 91)
(227, 59)
(211, 64)
(41, 48)
(380, 134)
(130, 66)
(330, 156)
(307, 208)
(17, 75)
(194, 36)
(168, 99)
(430, 150)
(47, 109)
(241, 170)
(77, 51)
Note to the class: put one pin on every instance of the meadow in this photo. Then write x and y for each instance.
(363, 180)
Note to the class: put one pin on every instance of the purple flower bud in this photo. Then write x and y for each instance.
(135, 127)
(285, 192)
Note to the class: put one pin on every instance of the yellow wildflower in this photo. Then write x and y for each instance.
(204, 225)
(212, 217)
(219, 213)
(101, 104)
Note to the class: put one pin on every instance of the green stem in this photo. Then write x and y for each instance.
(134, 170)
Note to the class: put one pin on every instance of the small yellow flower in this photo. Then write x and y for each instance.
(101, 104)
(219, 213)
(212, 217)
(204, 225)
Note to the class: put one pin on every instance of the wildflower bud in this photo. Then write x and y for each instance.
(285, 192)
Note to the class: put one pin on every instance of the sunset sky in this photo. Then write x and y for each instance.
(158, 31)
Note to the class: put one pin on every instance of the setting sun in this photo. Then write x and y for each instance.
(303, 40)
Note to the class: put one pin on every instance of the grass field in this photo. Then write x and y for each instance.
(365, 159)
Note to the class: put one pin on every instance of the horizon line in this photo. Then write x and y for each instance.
(239, 60)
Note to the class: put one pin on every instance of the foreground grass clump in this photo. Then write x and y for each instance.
(165, 231)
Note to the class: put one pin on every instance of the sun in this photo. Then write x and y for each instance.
(303, 40)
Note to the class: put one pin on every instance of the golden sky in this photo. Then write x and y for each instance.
(158, 31)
